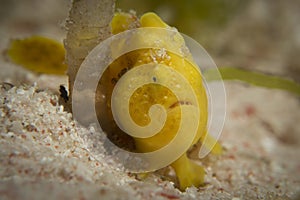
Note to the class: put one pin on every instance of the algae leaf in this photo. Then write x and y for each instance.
(254, 78)
(38, 54)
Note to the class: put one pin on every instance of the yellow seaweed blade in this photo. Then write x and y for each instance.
(38, 54)
(122, 22)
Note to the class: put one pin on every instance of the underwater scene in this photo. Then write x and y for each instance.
(140, 99)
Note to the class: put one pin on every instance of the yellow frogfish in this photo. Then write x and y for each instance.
(188, 172)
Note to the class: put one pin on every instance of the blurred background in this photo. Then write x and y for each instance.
(253, 34)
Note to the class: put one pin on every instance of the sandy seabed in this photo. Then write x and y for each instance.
(44, 153)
